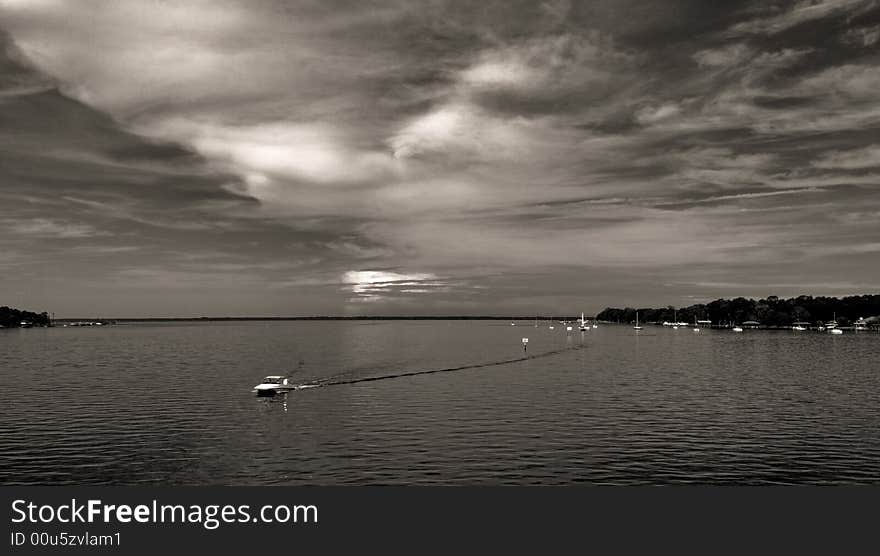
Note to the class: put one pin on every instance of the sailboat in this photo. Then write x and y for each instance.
(832, 326)
(675, 319)
(696, 324)
(584, 326)
(637, 327)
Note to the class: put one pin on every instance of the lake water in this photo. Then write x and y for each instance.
(172, 404)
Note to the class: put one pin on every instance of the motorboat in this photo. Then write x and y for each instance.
(836, 331)
(273, 384)
(737, 329)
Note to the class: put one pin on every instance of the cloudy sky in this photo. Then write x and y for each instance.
(268, 157)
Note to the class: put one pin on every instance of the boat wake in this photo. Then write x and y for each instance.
(337, 382)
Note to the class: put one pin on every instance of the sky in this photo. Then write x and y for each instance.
(263, 157)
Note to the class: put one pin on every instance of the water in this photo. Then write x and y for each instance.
(172, 404)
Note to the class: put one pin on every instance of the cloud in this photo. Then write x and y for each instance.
(864, 37)
(469, 133)
(106, 249)
(501, 72)
(725, 56)
(312, 152)
(47, 228)
(867, 157)
(652, 114)
(852, 80)
(547, 66)
(437, 130)
(802, 12)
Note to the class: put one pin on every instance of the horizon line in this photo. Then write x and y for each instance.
(326, 317)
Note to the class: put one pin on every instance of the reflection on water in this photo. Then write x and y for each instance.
(457, 403)
(274, 403)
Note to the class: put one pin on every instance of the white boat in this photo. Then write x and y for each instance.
(696, 324)
(737, 329)
(273, 384)
(833, 324)
(584, 326)
(595, 326)
(836, 331)
(637, 327)
(861, 324)
(799, 326)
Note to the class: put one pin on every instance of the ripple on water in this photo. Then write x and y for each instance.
(436, 403)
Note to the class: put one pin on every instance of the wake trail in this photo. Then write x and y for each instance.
(332, 382)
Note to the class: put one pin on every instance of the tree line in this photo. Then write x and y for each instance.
(12, 318)
(770, 312)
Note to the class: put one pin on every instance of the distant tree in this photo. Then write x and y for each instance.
(772, 311)
(800, 314)
(12, 318)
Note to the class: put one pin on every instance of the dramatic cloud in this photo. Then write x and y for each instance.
(271, 157)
